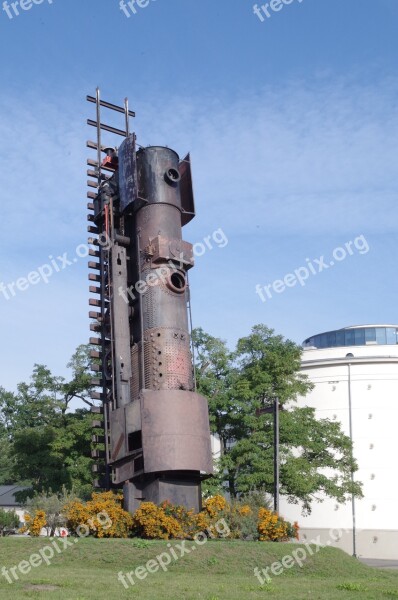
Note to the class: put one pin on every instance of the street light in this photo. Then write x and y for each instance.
(274, 409)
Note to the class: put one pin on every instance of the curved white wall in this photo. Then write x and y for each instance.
(372, 375)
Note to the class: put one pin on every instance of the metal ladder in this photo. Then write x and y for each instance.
(101, 230)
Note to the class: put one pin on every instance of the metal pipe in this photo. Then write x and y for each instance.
(126, 112)
(99, 157)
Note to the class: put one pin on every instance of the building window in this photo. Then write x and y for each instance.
(370, 334)
(381, 335)
(340, 338)
(359, 337)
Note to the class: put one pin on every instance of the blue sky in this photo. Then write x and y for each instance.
(292, 126)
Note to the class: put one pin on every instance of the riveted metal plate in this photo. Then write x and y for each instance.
(168, 360)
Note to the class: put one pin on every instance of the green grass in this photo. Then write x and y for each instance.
(217, 570)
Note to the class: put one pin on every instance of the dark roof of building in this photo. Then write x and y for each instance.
(7, 492)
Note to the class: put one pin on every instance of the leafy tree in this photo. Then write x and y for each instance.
(45, 443)
(8, 404)
(6, 462)
(36, 460)
(9, 520)
(316, 457)
(216, 378)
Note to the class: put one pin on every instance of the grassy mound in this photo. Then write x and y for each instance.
(89, 569)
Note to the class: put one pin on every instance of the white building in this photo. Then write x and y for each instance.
(355, 372)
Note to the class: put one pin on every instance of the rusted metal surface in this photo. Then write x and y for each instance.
(186, 188)
(175, 432)
(127, 174)
(157, 437)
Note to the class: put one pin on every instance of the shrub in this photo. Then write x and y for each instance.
(103, 516)
(34, 523)
(186, 518)
(53, 507)
(271, 527)
(242, 521)
(216, 505)
(247, 519)
(293, 530)
(159, 522)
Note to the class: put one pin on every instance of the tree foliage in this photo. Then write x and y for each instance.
(316, 456)
(46, 445)
(9, 521)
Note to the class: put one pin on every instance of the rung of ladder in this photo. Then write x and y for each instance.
(94, 315)
(94, 265)
(91, 173)
(93, 302)
(110, 106)
(94, 146)
(94, 290)
(109, 128)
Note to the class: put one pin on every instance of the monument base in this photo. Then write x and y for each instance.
(179, 489)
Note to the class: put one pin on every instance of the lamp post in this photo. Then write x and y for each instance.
(354, 532)
(274, 409)
(276, 455)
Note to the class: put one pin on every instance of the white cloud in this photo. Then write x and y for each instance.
(303, 159)
(299, 159)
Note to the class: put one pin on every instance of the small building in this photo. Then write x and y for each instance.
(9, 502)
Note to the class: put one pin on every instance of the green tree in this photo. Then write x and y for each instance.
(9, 521)
(46, 444)
(6, 461)
(316, 457)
